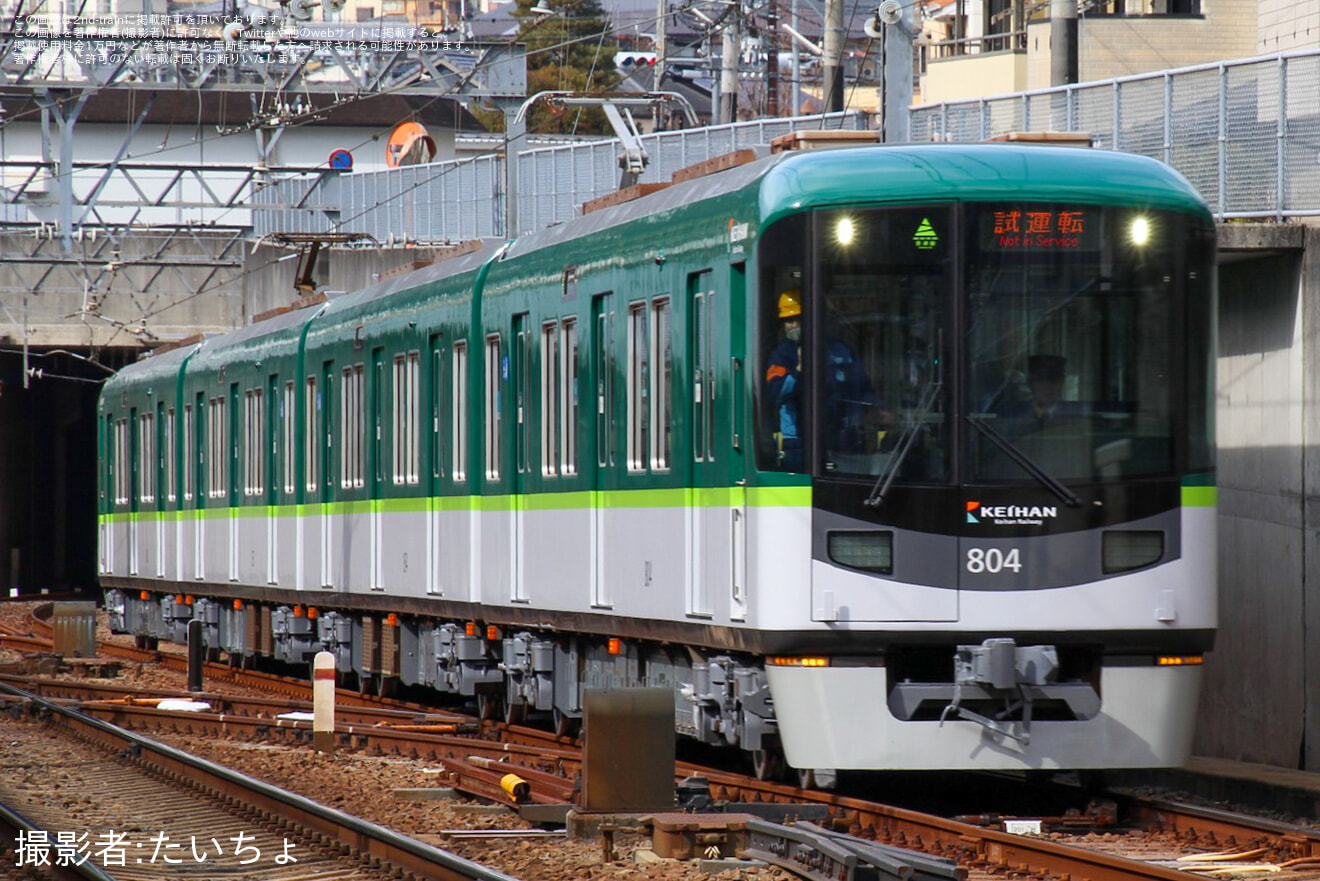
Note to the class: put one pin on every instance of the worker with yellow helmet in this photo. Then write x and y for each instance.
(783, 377)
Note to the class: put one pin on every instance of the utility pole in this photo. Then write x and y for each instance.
(833, 55)
(661, 39)
(1063, 42)
(732, 48)
(797, 60)
(772, 59)
(899, 36)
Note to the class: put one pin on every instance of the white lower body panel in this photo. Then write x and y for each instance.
(837, 717)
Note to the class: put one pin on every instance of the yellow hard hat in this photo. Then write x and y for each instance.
(789, 304)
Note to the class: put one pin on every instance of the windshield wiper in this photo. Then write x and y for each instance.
(905, 440)
(1027, 463)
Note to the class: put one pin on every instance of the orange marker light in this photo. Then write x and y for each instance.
(492, 632)
(238, 605)
(178, 598)
(311, 613)
(297, 611)
(144, 596)
(1179, 660)
(187, 601)
(471, 628)
(615, 645)
(392, 619)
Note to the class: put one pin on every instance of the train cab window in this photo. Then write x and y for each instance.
(407, 457)
(1073, 336)
(852, 320)
(146, 458)
(459, 403)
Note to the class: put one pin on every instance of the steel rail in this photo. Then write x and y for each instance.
(366, 840)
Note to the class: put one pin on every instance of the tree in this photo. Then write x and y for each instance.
(571, 50)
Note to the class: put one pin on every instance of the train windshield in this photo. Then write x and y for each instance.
(1072, 342)
(866, 314)
(1062, 334)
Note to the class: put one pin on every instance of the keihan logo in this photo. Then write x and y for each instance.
(1010, 515)
(925, 238)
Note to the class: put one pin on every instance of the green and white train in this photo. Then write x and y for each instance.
(566, 462)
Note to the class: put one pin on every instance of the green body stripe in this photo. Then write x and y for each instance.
(1200, 496)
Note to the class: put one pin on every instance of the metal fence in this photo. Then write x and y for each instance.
(464, 199)
(1245, 133)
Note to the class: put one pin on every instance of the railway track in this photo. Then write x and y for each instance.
(548, 764)
(141, 810)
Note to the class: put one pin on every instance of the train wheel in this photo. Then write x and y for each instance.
(514, 713)
(768, 763)
(565, 725)
(817, 778)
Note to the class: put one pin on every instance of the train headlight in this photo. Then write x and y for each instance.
(1123, 550)
(845, 231)
(870, 551)
(1139, 231)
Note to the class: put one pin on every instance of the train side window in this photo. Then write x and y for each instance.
(568, 396)
(662, 383)
(603, 358)
(121, 462)
(493, 407)
(551, 403)
(146, 458)
(254, 422)
(437, 407)
(638, 388)
(406, 459)
(703, 361)
(216, 445)
(351, 428)
(459, 403)
(171, 458)
(312, 402)
(188, 457)
(288, 437)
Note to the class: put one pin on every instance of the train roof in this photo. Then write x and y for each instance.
(908, 173)
(973, 172)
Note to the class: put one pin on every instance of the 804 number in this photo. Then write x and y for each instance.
(981, 561)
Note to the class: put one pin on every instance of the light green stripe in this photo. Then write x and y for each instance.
(779, 496)
(681, 497)
(1200, 496)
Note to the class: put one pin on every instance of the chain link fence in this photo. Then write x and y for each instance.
(1245, 133)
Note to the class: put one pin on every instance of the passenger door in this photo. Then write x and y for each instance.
(606, 440)
(720, 515)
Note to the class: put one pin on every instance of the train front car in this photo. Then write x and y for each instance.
(990, 371)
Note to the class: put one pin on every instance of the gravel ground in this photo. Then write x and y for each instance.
(365, 786)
